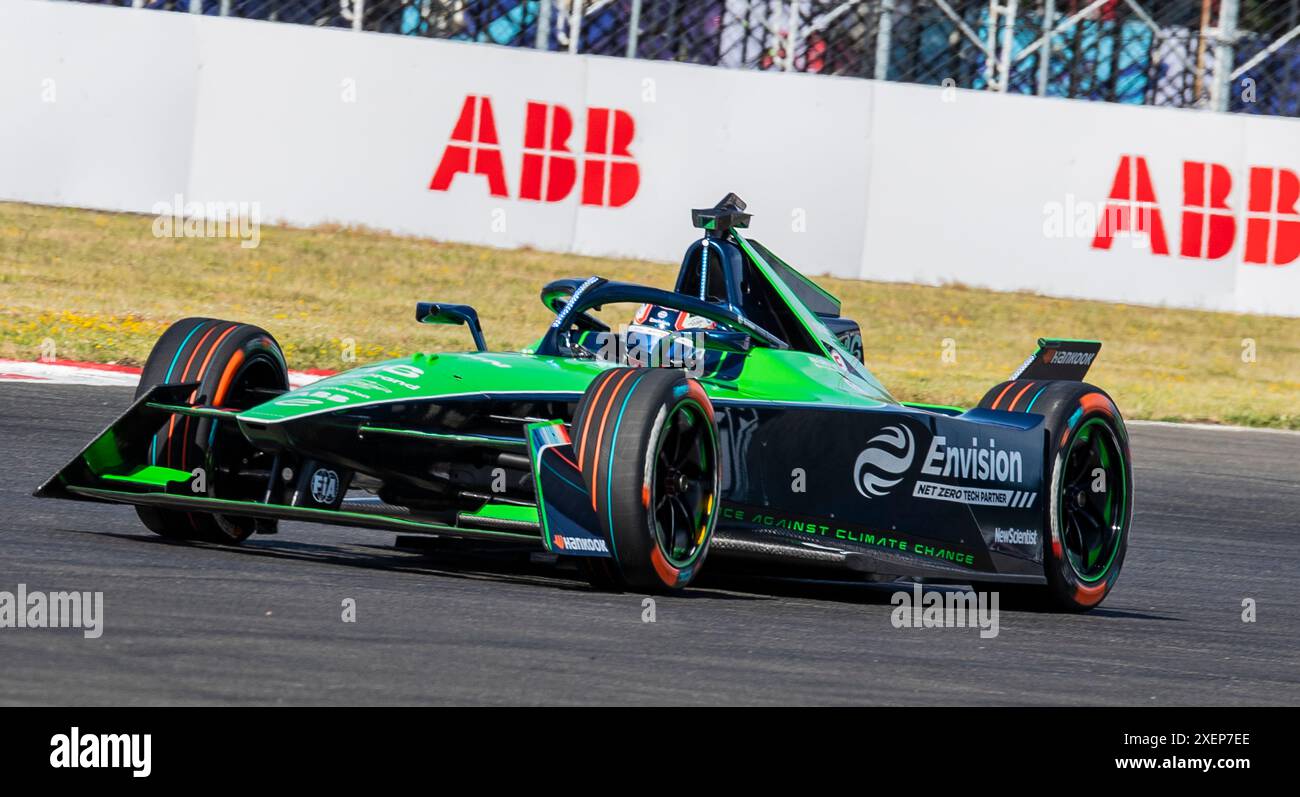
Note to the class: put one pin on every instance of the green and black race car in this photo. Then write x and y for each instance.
(732, 418)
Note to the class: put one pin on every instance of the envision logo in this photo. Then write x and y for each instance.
(881, 465)
(973, 462)
(96, 751)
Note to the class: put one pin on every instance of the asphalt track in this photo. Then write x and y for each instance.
(1218, 521)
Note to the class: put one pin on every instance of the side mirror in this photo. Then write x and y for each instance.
(435, 313)
(726, 340)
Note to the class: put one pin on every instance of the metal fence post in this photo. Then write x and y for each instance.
(543, 41)
(884, 39)
(1198, 84)
(634, 29)
(1224, 50)
(575, 25)
(1008, 13)
(1045, 51)
(792, 36)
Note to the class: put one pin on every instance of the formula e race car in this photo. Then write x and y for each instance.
(733, 418)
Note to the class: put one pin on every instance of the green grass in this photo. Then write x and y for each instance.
(101, 287)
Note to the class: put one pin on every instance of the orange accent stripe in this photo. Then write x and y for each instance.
(213, 350)
(216, 344)
(667, 573)
(1089, 596)
(645, 496)
(591, 409)
(1022, 392)
(573, 464)
(171, 425)
(998, 400)
(227, 378)
(600, 437)
(1096, 402)
(197, 348)
(696, 391)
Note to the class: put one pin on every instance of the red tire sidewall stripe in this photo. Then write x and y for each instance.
(600, 433)
(998, 400)
(1012, 406)
(171, 425)
(668, 574)
(203, 368)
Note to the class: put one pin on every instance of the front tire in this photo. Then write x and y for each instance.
(235, 366)
(1089, 510)
(647, 445)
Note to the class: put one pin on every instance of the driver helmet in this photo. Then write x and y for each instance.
(660, 335)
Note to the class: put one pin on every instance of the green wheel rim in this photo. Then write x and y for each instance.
(1093, 502)
(682, 483)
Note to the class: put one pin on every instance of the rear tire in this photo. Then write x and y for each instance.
(1089, 512)
(647, 445)
(235, 365)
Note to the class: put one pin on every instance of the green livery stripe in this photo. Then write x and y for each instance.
(152, 475)
(945, 408)
(441, 437)
(279, 512)
(525, 514)
(196, 412)
(103, 455)
(534, 459)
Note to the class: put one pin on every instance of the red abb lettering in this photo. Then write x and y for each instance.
(610, 175)
(1271, 217)
(1205, 188)
(475, 148)
(1131, 207)
(549, 169)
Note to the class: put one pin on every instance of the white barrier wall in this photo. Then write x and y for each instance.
(123, 109)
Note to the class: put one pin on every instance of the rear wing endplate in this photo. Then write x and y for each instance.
(1059, 359)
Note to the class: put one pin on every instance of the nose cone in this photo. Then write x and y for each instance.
(430, 377)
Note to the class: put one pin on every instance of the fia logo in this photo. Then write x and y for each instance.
(324, 486)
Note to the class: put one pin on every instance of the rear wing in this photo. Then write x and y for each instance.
(1059, 359)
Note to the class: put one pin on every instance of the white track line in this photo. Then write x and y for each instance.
(70, 373)
(1213, 427)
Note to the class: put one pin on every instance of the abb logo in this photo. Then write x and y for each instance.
(549, 171)
(1209, 224)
